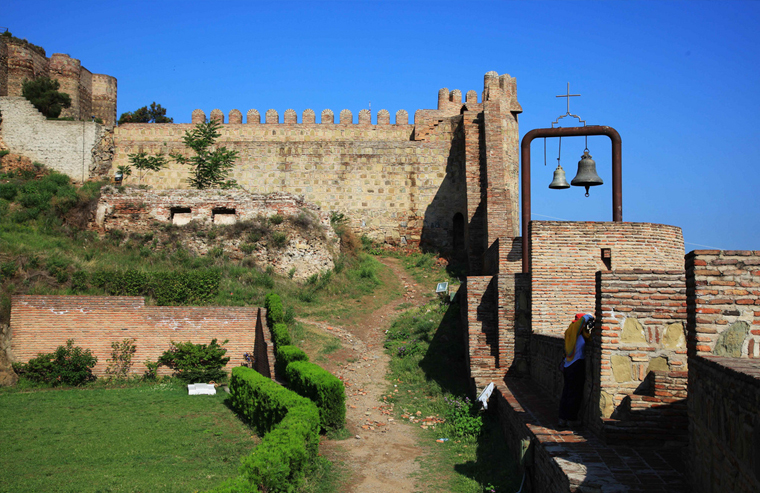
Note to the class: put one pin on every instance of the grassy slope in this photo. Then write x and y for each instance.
(138, 438)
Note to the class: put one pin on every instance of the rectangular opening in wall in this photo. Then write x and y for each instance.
(224, 215)
(607, 258)
(180, 215)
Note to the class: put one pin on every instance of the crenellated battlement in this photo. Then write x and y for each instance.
(308, 117)
(91, 94)
(496, 87)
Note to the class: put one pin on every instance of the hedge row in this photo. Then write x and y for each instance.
(323, 388)
(289, 425)
(275, 312)
(285, 355)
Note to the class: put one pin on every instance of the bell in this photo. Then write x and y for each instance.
(586, 176)
(559, 182)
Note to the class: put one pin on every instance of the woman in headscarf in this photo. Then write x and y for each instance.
(574, 369)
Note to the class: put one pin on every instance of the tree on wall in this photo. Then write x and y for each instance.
(143, 162)
(211, 165)
(153, 114)
(43, 93)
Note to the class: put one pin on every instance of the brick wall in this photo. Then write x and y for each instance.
(724, 424)
(724, 302)
(65, 146)
(39, 324)
(566, 255)
(638, 356)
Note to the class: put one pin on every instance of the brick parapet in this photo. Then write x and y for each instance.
(724, 297)
(565, 257)
(639, 351)
(39, 324)
(724, 424)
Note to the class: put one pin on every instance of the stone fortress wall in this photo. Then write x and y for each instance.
(401, 183)
(91, 94)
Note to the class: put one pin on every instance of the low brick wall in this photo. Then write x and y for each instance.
(723, 290)
(546, 353)
(565, 257)
(724, 424)
(39, 324)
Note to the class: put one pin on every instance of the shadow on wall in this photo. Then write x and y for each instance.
(443, 224)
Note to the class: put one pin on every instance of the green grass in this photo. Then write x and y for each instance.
(428, 367)
(104, 439)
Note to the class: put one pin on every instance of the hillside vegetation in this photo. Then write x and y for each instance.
(48, 247)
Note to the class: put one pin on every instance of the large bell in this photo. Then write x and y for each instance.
(559, 182)
(586, 176)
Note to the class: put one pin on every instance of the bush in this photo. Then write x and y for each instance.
(280, 335)
(463, 417)
(196, 362)
(121, 358)
(67, 365)
(276, 219)
(279, 239)
(273, 305)
(287, 354)
(323, 388)
(289, 424)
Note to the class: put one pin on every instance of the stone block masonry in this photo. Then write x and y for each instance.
(724, 299)
(398, 183)
(724, 424)
(68, 147)
(39, 324)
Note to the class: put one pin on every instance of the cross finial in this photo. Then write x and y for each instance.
(568, 96)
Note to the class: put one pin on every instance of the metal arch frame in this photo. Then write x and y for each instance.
(617, 165)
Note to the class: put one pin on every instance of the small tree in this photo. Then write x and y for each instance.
(210, 166)
(143, 162)
(155, 114)
(43, 93)
(120, 361)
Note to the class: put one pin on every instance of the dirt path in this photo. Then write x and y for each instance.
(381, 452)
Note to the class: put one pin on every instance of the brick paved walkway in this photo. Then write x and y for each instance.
(589, 463)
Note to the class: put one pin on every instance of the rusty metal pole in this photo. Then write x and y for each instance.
(617, 171)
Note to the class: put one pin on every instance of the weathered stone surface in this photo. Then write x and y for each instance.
(633, 332)
(606, 404)
(674, 336)
(621, 368)
(7, 376)
(731, 340)
(658, 364)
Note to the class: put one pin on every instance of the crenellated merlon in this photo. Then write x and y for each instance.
(308, 117)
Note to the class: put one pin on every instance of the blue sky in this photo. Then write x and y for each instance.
(680, 81)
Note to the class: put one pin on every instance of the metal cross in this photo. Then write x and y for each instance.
(568, 96)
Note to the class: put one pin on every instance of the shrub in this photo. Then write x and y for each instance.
(289, 424)
(287, 354)
(276, 219)
(196, 362)
(79, 281)
(121, 358)
(323, 388)
(67, 365)
(280, 335)
(273, 304)
(463, 417)
(279, 239)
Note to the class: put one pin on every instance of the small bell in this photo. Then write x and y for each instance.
(559, 182)
(586, 176)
